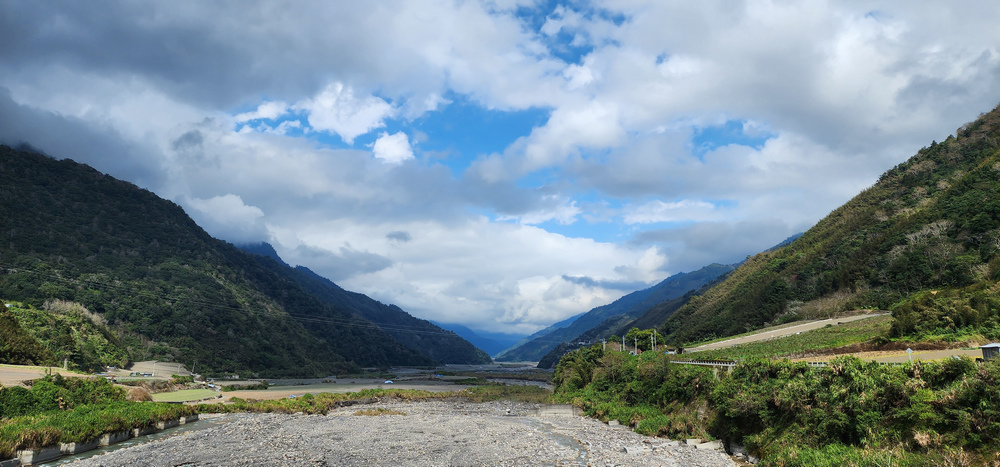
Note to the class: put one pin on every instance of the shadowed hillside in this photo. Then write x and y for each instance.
(157, 279)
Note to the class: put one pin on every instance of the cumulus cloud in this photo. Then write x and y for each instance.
(393, 149)
(840, 91)
(336, 109)
(228, 217)
(268, 110)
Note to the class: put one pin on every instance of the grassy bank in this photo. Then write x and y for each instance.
(851, 412)
(324, 402)
(65, 410)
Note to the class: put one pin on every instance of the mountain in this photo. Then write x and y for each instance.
(538, 334)
(419, 335)
(491, 342)
(162, 284)
(923, 242)
(625, 309)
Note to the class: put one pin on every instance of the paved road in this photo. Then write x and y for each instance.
(765, 335)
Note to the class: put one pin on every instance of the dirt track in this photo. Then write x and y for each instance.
(787, 331)
(13, 375)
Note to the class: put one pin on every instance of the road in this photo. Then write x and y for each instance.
(13, 375)
(787, 331)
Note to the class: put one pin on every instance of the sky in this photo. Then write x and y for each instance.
(500, 164)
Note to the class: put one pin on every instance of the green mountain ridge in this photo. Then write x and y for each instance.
(923, 242)
(145, 268)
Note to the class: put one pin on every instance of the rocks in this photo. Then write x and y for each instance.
(435, 433)
(713, 445)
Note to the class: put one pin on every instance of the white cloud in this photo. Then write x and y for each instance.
(268, 110)
(228, 217)
(677, 211)
(492, 275)
(845, 90)
(393, 149)
(336, 109)
(554, 208)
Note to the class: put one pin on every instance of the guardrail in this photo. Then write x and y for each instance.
(731, 363)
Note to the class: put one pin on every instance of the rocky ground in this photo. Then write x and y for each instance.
(425, 433)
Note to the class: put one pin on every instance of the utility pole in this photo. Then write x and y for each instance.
(636, 343)
(623, 342)
(654, 338)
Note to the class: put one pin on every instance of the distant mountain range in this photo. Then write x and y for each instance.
(492, 342)
(170, 291)
(614, 315)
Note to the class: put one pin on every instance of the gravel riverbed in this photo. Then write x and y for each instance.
(435, 433)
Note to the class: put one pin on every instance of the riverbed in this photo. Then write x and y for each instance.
(435, 433)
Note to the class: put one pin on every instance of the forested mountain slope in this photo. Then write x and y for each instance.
(419, 335)
(922, 242)
(141, 264)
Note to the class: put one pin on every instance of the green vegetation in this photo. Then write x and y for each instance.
(72, 334)
(644, 392)
(871, 330)
(17, 346)
(66, 410)
(245, 387)
(931, 224)
(165, 288)
(851, 412)
(184, 395)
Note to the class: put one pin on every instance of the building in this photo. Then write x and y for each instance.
(991, 351)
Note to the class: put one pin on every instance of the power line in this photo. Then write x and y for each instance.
(121, 287)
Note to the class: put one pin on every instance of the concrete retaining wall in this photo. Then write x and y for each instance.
(167, 424)
(108, 439)
(137, 432)
(29, 457)
(33, 456)
(75, 448)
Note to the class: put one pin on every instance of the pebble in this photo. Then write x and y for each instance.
(434, 433)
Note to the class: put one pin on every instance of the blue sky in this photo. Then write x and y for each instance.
(461, 158)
